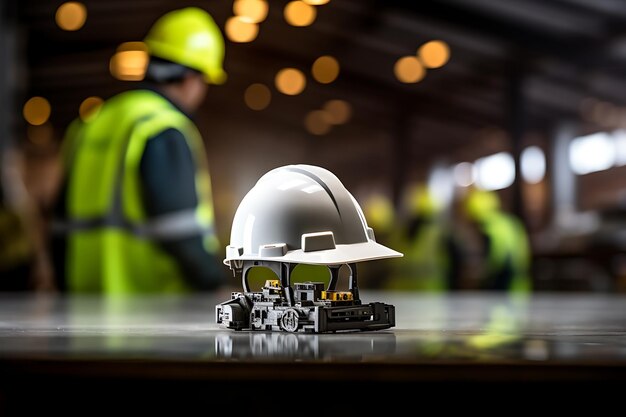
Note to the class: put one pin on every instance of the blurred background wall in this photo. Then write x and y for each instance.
(523, 97)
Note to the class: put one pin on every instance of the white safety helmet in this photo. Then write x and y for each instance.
(302, 214)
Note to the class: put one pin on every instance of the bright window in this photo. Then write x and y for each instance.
(533, 164)
(592, 153)
(495, 172)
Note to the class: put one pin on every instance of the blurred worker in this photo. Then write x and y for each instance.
(380, 215)
(135, 210)
(16, 250)
(503, 243)
(424, 242)
(24, 261)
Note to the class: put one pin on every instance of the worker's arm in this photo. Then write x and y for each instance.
(167, 173)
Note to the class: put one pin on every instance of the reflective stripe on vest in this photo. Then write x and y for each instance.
(171, 226)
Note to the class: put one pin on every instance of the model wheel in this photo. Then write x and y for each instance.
(289, 321)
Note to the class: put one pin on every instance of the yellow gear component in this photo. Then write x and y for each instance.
(272, 283)
(337, 295)
(189, 37)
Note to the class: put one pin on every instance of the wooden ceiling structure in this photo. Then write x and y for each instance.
(518, 68)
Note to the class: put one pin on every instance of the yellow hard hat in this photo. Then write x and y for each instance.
(481, 203)
(379, 212)
(421, 201)
(189, 37)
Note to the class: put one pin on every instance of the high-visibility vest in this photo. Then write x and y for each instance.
(508, 243)
(112, 245)
(424, 266)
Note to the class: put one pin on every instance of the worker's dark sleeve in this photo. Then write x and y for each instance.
(456, 259)
(501, 278)
(168, 177)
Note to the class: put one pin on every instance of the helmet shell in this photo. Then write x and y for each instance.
(189, 37)
(302, 214)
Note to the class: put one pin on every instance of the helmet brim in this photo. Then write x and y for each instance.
(215, 77)
(342, 254)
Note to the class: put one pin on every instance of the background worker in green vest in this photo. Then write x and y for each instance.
(380, 214)
(135, 209)
(505, 248)
(424, 241)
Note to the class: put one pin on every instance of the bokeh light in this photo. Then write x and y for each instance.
(464, 174)
(495, 172)
(239, 30)
(325, 69)
(408, 69)
(89, 108)
(37, 111)
(316, 122)
(434, 54)
(298, 13)
(71, 15)
(251, 11)
(257, 96)
(316, 2)
(290, 81)
(338, 111)
(130, 61)
(533, 164)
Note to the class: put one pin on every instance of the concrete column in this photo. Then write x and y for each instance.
(563, 178)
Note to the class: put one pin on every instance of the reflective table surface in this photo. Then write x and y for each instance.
(459, 338)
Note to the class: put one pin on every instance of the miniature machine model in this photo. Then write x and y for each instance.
(301, 214)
